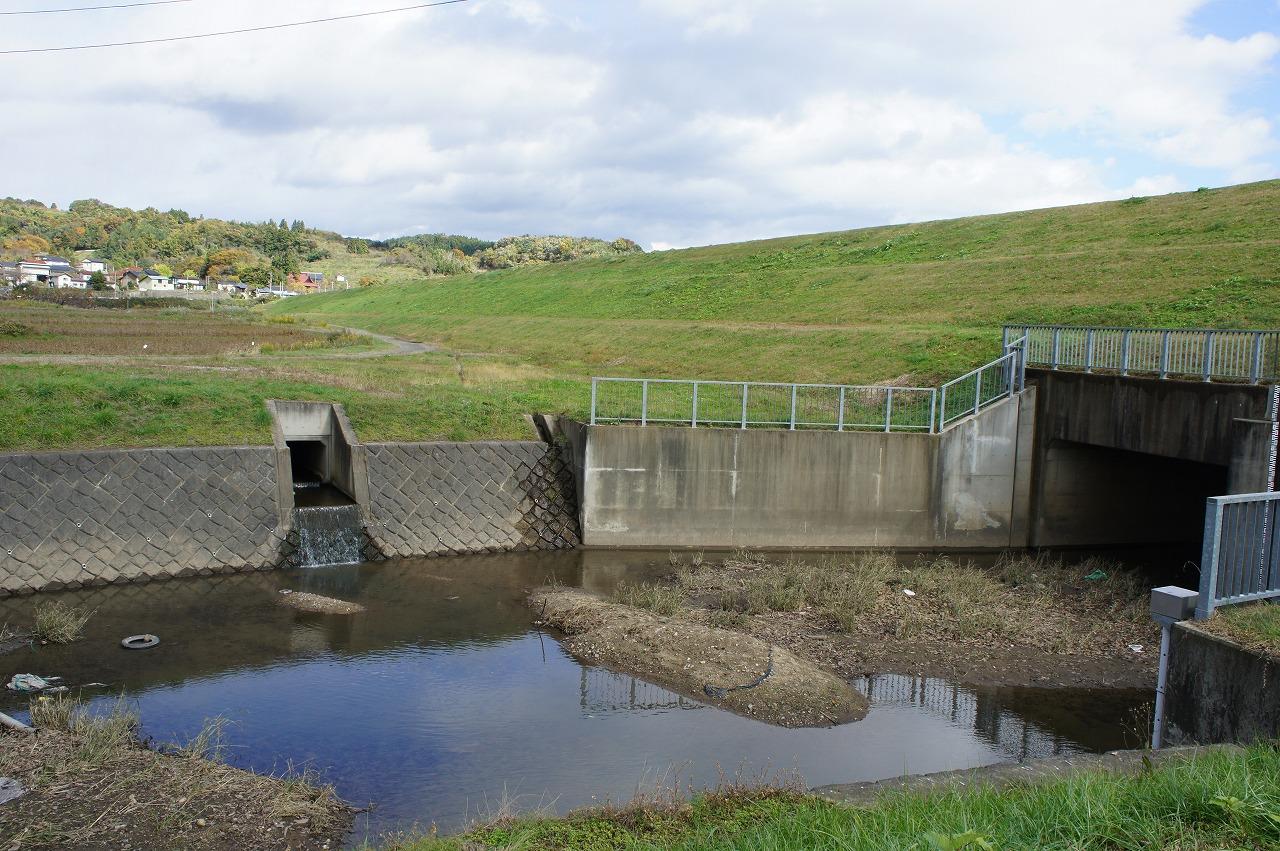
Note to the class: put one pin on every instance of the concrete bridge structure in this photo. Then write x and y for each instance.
(1074, 437)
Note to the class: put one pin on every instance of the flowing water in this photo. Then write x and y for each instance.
(329, 535)
(443, 700)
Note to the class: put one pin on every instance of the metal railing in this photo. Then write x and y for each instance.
(746, 404)
(842, 407)
(1210, 355)
(1241, 558)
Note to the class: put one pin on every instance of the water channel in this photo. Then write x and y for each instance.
(442, 699)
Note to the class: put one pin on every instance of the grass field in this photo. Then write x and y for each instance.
(908, 303)
(924, 300)
(1218, 800)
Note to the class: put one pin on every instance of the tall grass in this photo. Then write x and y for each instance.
(58, 623)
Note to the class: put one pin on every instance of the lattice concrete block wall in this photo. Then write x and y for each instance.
(71, 519)
(450, 498)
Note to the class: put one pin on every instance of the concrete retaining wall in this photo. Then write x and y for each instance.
(75, 519)
(452, 498)
(1219, 691)
(69, 519)
(684, 487)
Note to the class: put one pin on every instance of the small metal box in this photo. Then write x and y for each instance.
(1174, 603)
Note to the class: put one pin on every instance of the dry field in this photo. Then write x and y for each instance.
(33, 328)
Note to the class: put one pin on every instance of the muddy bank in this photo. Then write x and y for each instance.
(740, 673)
(99, 790)
(1027, 621)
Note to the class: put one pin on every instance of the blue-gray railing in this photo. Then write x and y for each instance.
(1241, 558)
(839, 407)
(1209, 355)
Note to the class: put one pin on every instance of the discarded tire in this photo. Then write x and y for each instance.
(139, 642)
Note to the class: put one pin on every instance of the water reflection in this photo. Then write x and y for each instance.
(442, 698)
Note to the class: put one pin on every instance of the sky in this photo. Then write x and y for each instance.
(671, 122)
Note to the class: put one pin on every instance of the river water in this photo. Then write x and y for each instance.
(442, 700)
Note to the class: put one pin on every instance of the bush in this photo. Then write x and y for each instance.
(59, 623)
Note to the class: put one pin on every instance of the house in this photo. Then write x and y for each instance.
(228, 286)
(192, 284)
(90, 265)
(8, 273)
(129, 277)
(152, 281)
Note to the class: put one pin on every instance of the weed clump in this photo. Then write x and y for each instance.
(58, 623)
(656, 597)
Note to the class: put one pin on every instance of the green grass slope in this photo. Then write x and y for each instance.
(860, 306)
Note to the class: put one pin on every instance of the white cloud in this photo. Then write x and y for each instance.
(675, 122)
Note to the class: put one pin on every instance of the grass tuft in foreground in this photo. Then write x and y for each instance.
(1214, 800)
(93, 784)
(58, 623)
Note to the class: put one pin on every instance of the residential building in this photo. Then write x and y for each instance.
(129, 277)
(152, 281)
(192, 284)
(91, 265)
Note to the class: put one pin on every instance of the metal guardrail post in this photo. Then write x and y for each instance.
(1209, 556)
(942, 410)
(1164, 354)
(1057, 348)
(744, 404)
(1125, 342)
(644, 403)
(1088, 355)
(840, 413)
(593, 400)
(694, 424)
(933, 411)
(1207, 366)
(793, 407)
(888, 409)
(977, 392)
(1255, 367)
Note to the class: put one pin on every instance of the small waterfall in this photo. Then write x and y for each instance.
(331, 534)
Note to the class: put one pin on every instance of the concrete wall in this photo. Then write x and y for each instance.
(1219, 691)
(684, 487)
(452, 498)
(69, 519)
(75, 519)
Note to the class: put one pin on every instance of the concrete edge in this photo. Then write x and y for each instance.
(1004, 775)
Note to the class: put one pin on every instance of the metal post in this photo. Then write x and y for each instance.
(933, 410)
(1004, 338)
(1088, 354)
(1125, 342)
(1162, 679)
(1057, 347)
(1208, 356)
(888, 408)
(1164, 354)
(1255, 368)
(1209, 554)
(744, 405)
(593, 400)
(644, 403)
(793, 407)
(840, 413)
(977, 393)
(695, 405)
(942, 410)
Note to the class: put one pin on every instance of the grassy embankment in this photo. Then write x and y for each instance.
(909, 302)
(1216, 800)
(858, 306)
